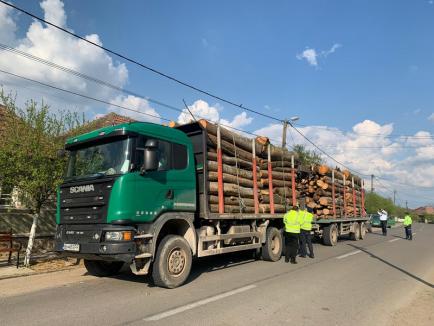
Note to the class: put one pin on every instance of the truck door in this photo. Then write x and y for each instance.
(170, 187)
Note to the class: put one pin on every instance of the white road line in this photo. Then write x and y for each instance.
(393, 240)
(199, 303)
(349, 254)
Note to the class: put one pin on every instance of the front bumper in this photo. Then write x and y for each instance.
(90, 239)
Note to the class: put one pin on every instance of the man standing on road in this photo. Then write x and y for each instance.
(292, 233)
(383, 220)
(407, 225)
(305, 229)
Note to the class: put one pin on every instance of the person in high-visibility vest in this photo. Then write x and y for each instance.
(292, 233)
(305, 233)
(407, 225)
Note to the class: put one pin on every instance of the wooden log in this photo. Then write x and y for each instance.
(321, 169)
(213, 176)
(231, 209)
(325, 201)
(229, 160)
(231, 189)
(276, 183)
(229, 136)
(232, 200)
(276, 175)
(322, 184)
(212, 167)
(265, 208)
(228, 148)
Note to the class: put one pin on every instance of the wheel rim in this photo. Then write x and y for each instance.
(176, 261)
(275, 244)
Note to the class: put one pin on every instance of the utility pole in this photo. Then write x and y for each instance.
(394, 196)
(372, 183)
(406, 205)
(285, 127)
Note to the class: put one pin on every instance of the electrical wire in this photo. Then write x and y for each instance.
(137, 63)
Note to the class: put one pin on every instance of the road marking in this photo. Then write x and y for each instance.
(393, 240)
(199, 303)
(349, 254)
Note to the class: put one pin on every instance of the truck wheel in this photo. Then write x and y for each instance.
(330, 235)
(369, 227)
(362, 231)
(272, 248)
(172, 263)
(356, 234)
(103, 268)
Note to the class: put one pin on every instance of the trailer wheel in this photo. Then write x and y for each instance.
(172, 263)
(356, 234)
(103, 268)
(272, 248)
(362, 230)
(330, 235)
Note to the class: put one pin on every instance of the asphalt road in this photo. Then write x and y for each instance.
(364, 282)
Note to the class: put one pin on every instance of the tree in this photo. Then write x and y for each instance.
(374, 202)
(29, 143)
(307, 157)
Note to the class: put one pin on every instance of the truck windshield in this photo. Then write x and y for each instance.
(108, 158)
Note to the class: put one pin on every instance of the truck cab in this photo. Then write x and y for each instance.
(122, 183)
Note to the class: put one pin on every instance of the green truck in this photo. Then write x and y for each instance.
(137, 193)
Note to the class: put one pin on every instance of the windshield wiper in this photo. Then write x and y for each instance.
(97, 175)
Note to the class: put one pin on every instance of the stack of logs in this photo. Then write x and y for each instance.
(244, 160)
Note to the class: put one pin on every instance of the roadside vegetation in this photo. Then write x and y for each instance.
(30, 139)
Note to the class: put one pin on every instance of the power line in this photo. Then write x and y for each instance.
(82, 95)
(120, 106)
(133, 61)
(367, 134)
(325, 153)
(106, 84)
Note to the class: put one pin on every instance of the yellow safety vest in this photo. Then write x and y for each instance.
(407, 220)
(292, 221)
(306, 223)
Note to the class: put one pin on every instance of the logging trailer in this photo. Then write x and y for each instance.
(140, 193)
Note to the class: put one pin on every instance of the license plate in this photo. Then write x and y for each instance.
(71, 247)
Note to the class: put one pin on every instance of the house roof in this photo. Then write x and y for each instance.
(110, 119)
(424, 210)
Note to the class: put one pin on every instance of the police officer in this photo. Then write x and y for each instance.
(407, 225)
(305, 233)
(292, 234)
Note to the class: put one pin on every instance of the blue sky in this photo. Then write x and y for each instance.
(372, 61)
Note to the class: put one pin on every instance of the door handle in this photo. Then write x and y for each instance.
(169, 194)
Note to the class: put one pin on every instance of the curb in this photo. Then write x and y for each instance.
(39, 273)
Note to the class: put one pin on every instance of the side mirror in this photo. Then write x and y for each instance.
(150, 156)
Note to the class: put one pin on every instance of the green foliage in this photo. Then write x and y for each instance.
(374, 202)
(29, 141)
(307, 157)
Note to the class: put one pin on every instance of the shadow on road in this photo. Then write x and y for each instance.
(393, 266)
(200, 266)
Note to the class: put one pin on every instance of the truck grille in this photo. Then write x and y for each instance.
(85, 201)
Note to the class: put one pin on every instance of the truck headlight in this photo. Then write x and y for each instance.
(119, 236)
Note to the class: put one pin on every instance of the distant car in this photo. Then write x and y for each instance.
(374, 220)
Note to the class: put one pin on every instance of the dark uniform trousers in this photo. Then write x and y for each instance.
(305, 238)
(291, 245)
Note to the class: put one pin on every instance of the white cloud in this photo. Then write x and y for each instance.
(56, 46)
(370, 148)
(331, 50)
(202, 110)
(135, 103)
(431, 117)
(312, 56)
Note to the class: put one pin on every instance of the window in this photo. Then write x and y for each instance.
(180, 157)
(170, 155)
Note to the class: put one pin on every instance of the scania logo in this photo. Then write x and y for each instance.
(85, 188)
